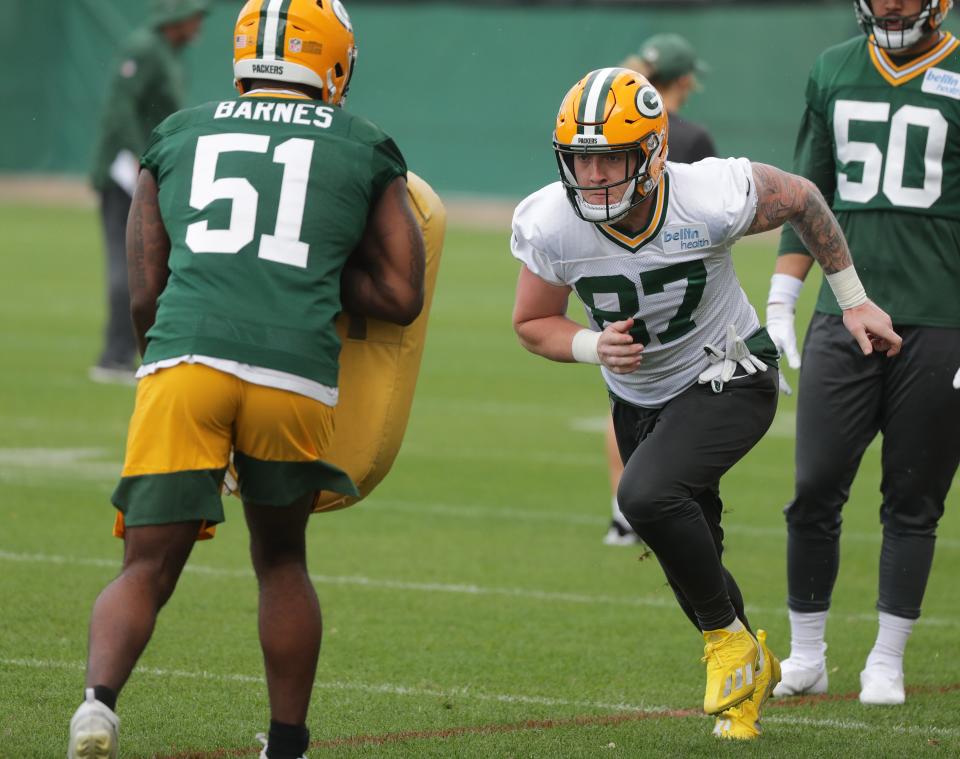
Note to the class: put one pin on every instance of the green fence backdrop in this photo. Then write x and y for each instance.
(468, 92)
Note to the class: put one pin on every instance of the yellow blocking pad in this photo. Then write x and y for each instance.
(188, 416)
(379, 364)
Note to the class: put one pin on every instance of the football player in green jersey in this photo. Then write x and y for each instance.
(255, 221)
(880, 137)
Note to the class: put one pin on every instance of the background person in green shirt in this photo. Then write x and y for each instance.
(148, 86)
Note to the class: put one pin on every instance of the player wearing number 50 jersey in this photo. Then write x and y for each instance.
(880, 137)
(692, 375)
(255, 222)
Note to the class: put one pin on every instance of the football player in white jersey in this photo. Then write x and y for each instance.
(692, 375)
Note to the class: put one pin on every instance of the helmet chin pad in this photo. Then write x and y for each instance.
(606, 213)
(898, 39)
(913, 28)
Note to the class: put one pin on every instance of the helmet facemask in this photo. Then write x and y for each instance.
(638, 183)
(897, 33)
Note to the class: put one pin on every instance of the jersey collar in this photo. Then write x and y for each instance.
(637, 241)
(278, 93)
(897, 75)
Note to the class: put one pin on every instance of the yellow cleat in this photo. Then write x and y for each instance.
(732, 659)
(743, 722)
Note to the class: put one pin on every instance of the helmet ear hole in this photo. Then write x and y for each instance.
(338, 69)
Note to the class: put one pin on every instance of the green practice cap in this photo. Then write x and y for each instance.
(170, 11)
(670, 56)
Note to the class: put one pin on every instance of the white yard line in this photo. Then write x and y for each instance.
(469, 694)
(385, 688)
(85, 464)
(855, 725)
(467, 511)
(784, 424)
(27, 464)
(453, 588)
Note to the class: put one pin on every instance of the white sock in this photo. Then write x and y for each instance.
(891, 642)
(735, 626)
(807, 631)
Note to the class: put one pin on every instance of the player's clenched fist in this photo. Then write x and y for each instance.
(617, 349)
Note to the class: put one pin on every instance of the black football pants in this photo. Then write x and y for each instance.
(119, 343)
(845, 400)
(674, 457)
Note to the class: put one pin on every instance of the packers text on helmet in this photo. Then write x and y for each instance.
(612, 110)
(299, 41)
(901, 32)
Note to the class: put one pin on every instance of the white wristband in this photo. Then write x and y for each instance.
(847, 288)
(584, 346)
(784, 288)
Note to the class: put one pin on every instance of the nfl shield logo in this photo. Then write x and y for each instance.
(296, 44)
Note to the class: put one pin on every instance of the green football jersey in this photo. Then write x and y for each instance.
(881, 139)
(263, 198)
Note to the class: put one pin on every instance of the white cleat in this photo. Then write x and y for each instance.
(618, 535)
(93, 731)
(801, 679)
(262, 737)
(881, 686)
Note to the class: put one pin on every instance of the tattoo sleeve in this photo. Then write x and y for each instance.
(782, 198)
(148, 253)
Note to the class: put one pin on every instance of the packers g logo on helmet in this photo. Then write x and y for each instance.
(301, 41)
(649, 102)
(612, 110)
(900, 32)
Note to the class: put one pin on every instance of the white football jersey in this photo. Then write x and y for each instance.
(675, 278)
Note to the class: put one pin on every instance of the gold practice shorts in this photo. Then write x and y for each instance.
(187, 419)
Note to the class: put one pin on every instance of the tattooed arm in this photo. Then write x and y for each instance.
(384, 276)
(783, 197)
(148, 251)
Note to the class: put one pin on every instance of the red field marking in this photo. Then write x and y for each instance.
(544, 724)
(454, 732)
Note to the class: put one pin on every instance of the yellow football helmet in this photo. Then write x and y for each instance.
(900, 32)
(303, 41)
(612, 110)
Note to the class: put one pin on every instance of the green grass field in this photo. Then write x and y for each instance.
(470, 607)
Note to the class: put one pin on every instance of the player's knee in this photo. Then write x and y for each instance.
(270, 552)
(817, 500)
(917, 516)
(155, 576)
(640, 503)
(817, 490)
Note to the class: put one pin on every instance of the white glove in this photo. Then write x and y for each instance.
(723, 363)
(784, 292)
(956, 380)
(782, 332)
